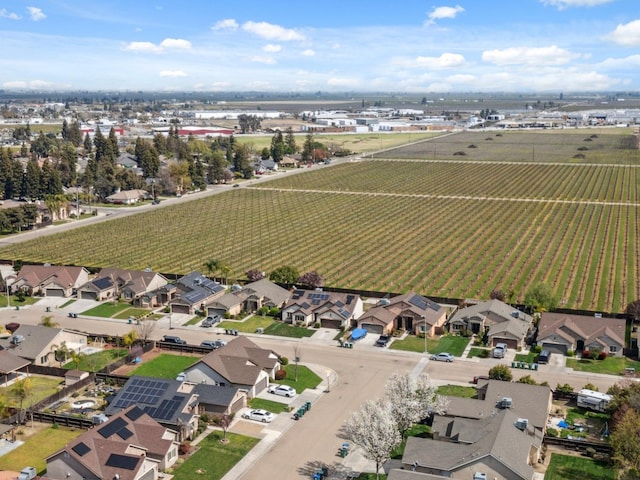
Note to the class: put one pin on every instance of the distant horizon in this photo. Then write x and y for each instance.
(407, 47)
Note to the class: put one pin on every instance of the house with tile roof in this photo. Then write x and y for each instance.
(50, 280)
(128, 285)
(241, 363)
(504, 323)
(562, 332)
(328, 309)
(130, 446)
(193, 292)
(250, 298)
(501, 439)
(219, 400)
(411, 312)
(37, 344)
(172, 403)
(501, 446)
(128, 197)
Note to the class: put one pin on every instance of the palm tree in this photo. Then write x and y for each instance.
(60, 352)
(77, 357)
(226, 271)
(21, 390)
(212, 266)
(47, 321)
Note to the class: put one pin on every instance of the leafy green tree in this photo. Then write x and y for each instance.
(501, 372)
(47, 321)
(60, 352)
(625, 442)
(213, 266)
(241, 162)
(540, 298)
(22, 390)
(528, 379)
(290, 143)
(30, 188)
(217, 169)
(147, 157)
(285, 275)
(87, 144)
(277, 147)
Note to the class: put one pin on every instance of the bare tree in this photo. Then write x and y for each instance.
(144, 329)
(296, 356)
(374, 430)
(412, 399)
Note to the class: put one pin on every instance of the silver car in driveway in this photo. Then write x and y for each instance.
(442, 357)
(283, 390)
(258, 415)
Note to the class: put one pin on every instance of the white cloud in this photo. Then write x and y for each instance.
(443, 12)
(175, 43)
(272, 32)
(564, 4)
(308, 53)
(36, 14)
(271, 48)
(626, 34)
(220, 85)
(461, 79)
(150, 47)
(446, 60)
(22, 85)
(260, 85)
(630, 62)
(226, 24)
(10, 15)
(263, 59)
(143, 47)
(173, 73)
(551, 55)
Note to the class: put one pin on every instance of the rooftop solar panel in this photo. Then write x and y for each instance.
(124, 433)
(418, 301)
(81, 448)
(134, 414)
(350, 299)
(112, 427)
(127, 462)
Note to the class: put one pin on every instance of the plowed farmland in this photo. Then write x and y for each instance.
(444, 225)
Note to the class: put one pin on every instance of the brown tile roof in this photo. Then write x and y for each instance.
(136, 280)
(581, 327)
(34, 275)
(94, 447)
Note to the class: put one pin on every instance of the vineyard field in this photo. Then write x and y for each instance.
(443, 228)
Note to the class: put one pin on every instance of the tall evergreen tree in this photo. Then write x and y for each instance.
(31, 181)
(290, 143)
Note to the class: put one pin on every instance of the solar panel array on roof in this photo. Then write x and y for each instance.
(126, 462)
(318, 296)
(166, 410)
(124, 433)
(350, 298)
(305, 305)
(344, 313)
(112, 427)
(134, 414)
(81, 448)
(297, 294)
(419, 301)
(139, 390)
(103, 283)
(339, 304)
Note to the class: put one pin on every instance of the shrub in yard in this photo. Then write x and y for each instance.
(528, 379)
(284, 361)
(602, 355)
(536, 349)
(586, 353)
(205, 418)
(566, 388)
(590, 386)
(501, 372)
(274, 311)
(590, 452)
(570, 353)
(281, 374)
(184, 448)
(552, 432)
(485, 354)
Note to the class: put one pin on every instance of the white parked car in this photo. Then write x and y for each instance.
(284, 390)
(443, 357)
(27, 473)
(258, 415)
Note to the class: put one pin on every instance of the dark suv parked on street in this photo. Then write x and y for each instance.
(172, 339)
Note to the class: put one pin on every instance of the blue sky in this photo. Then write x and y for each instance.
(347, 45)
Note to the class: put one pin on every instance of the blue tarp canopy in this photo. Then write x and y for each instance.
(358, 333)
(563, 424)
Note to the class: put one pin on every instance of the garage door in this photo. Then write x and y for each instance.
(330, 323)
(372, 328)
(85, 295)
(238, 404)
(180, 309)
(511, 343)
(261, 385)
(54, 292)
(555, 348)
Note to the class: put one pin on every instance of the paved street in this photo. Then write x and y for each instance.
(296, 449)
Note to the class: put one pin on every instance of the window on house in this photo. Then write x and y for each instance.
(613, 348)
(289, 315)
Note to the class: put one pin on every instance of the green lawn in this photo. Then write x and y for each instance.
(610, 365)
(41, 388)
(457, 391)
(449, 343)
(131, 312)
(107, 309)
(417, 430)
(195, 320)
(67, 303)
(478, 352)
(526, 357)
(214, 458)
(564, 467)
(96, 361)
(306, 378)
(38, 447)
(275, 407)
(165, 365)
(250, 325)
(14, 301)
(282, 329)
